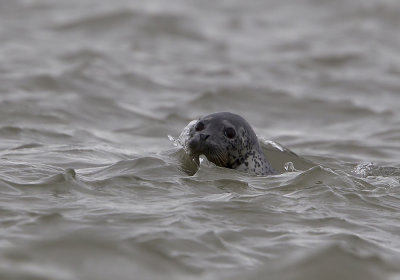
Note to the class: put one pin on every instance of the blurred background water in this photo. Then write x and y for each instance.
(91, 186)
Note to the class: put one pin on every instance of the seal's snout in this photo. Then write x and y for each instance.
(194, 143)
(204, 137)
(198, 142)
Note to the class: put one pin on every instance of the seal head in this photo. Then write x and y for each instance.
(227, 140)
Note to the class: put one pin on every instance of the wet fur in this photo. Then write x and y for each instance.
(242, 152)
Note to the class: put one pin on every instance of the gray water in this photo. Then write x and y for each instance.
(92, 188)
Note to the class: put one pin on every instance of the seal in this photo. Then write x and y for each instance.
(227, 140)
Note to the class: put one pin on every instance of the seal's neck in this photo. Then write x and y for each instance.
(256, 163)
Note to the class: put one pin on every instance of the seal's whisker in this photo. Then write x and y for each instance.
(220, 157)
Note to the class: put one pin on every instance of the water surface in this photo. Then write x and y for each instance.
(92, 188)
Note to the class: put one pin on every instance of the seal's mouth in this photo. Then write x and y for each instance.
(210, 151)
(218, 158)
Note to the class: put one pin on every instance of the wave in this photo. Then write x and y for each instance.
(334, 261)
(147, 24)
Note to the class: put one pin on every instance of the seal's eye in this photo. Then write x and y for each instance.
(199, 126)
(230, 132)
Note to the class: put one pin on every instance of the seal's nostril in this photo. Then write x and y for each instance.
(204, 137)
